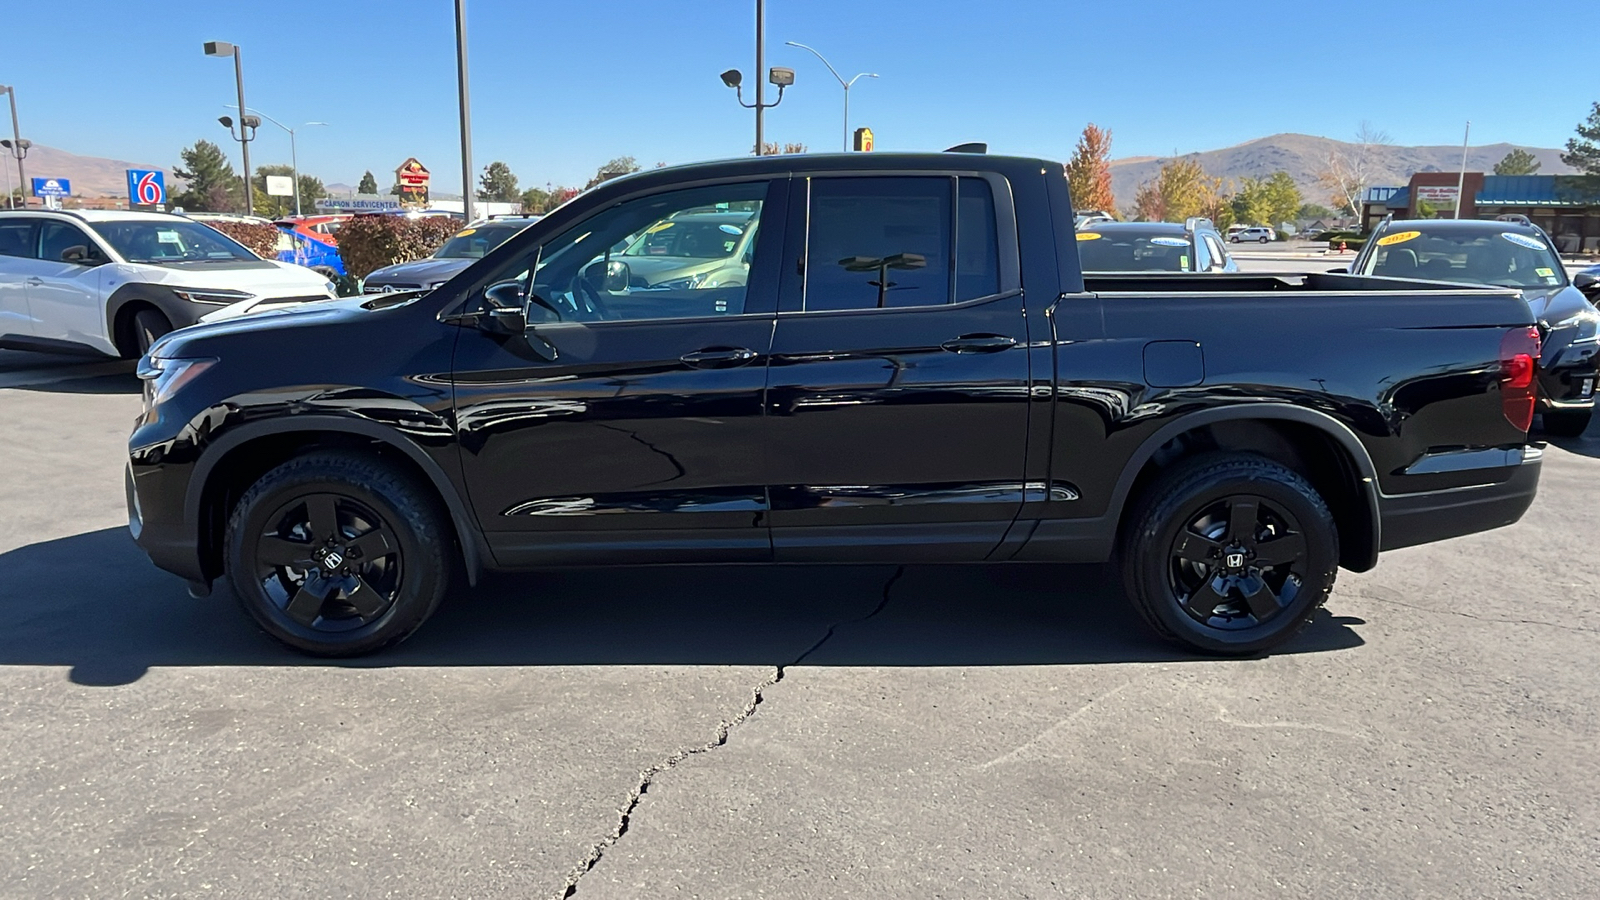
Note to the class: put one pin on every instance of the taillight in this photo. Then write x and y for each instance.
(1519, 362)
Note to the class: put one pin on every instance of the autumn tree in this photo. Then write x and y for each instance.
(772, 149)
(368, 185)
(1350, 168)
(622, 165)
(1518, 162)
(1267, 201)
(1089, 170)
(1583, 151)
(497, 184)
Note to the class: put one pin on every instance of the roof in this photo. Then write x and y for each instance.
(97, 215)
(1138, 227)
(1538, 190)
(1448, 226)
(820, 162)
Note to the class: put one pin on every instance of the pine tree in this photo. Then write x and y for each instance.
(497, 184)
(210, 183)
(1517, 162)
(368, 185)
(1583, 151)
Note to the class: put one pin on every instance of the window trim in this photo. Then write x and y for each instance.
(792, 287)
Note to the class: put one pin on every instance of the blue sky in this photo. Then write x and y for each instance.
(560, 87)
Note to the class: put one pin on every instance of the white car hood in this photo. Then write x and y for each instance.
(274, 284)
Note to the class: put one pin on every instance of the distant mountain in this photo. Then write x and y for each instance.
(1304, 156)
(91, 176)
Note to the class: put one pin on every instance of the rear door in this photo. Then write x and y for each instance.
(628, 424)
(18, 243)
(897, 393)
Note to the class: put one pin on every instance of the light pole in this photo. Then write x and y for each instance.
(294, 156)
(223, 48)
(466, 113)
(779, 76)
(842, 83)
(19, 149)
(17, 146)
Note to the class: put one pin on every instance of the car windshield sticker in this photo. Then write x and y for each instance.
(1400, 238)
(1169, 242)
(168, 237)
(1088, 236)
(659, 226)
(466, 231)
(1522, 240)
(1183, 262)
(1545, 273)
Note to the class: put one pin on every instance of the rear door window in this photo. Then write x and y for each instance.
(17, 237)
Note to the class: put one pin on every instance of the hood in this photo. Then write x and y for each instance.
(1553, 304)
(422, 272)
(667, 268)
(193, 341)
(265, 278)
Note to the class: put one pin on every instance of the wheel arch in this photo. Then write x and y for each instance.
(240, 456)
(1317, 445)
(126, 301)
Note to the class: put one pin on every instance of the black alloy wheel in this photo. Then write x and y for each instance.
(1229, 553)
(148, 325)
(339, 554)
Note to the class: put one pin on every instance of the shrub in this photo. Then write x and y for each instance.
(259, 237)
(368, 243)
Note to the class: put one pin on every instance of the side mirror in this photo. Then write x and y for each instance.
(612, 277)
(1588, 282)
(1342, 270)
(503, 309)
(81, 255)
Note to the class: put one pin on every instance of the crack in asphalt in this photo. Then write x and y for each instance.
(1488, 620)
(724, 728)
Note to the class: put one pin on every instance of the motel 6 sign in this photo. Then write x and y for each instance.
(146, 187)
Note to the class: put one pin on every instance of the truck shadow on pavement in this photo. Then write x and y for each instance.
(93, 602)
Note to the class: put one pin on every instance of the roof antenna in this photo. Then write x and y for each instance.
(975, 147)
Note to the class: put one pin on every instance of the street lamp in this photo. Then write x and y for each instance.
(223, 48)
(466, 110)
(294, 157)
(779, 76)
(17, 146)
(845, 84)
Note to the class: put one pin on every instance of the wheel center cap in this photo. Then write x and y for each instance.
(330, 559)
(1234, 559)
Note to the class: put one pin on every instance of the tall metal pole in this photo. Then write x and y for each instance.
(294, 167)
(466, 115)
(244, 145)
(1461, 183)
(16, 146)
(761, 42)
(846, 145)
(11, 200)
(842, 83)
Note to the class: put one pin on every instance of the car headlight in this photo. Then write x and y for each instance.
(682, 284)
(331, 288)
(1587, 325)
(164, 377)
(211, 295)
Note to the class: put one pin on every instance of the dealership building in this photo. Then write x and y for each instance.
(1567, 207)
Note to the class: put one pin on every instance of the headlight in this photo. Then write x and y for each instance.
(331, 288)
(1587, 325)
(163, 377)
(211, 295)
(682, 284)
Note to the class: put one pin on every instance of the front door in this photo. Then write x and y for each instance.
(897, 393)
(627, 424)
(64, 294)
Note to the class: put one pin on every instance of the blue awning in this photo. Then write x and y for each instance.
(1400, 199)
(1538, 190)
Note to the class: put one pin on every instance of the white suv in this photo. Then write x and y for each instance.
(1254, 233)
(113, 282)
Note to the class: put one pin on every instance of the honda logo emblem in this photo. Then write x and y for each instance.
(1234, 560)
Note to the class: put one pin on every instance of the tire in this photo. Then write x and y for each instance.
(1183, 542)
(1568, 423)
(1265, 240)
(148, 325)
(339, 554)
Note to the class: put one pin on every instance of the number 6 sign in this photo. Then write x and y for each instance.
(146, 187)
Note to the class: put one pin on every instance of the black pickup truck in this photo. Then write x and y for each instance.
(903, 364)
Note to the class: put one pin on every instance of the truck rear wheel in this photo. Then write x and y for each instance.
(1230, 554)
(338, 554)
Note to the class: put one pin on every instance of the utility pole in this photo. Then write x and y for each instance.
(1461, 183)
(761, 47)
(466, 115)
(223, 48)
(18, 148)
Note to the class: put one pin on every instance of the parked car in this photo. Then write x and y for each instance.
(916, 370)
(466, 247)
(1259, 233)
(1194, 246)
(1511, 255)
(112, 282)
(1091, 217)
(692, 250)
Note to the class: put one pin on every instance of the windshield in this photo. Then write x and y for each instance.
(1500, 258)
(1124, 252)
(690, 238)
(473, 243)
(168, 241)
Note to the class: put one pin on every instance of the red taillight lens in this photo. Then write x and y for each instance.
(1519, 356)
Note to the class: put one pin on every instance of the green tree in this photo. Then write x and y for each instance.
(1517, 162)
(210, 183)
(622, 165)
(1313, 211)
(535, 201)
(368, 185)
(311, 190)
(1583, 151)
(1267, 201)
(1180, 190)
(497, 184)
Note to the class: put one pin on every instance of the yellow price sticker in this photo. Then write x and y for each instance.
(1400, 238)
(466, 231)
(1088, 236)
(659, 226)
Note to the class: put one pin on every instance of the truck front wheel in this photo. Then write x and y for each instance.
(1230, 554)
(338, 554)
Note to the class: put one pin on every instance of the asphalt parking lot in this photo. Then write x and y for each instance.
(743, 732)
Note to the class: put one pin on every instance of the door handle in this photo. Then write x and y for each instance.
(34, 281)
(979, 343)
(718, 357)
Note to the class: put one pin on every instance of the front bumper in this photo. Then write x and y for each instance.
(1422, 518)
(156, 521)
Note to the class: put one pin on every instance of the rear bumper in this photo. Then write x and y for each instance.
(1422, 518)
